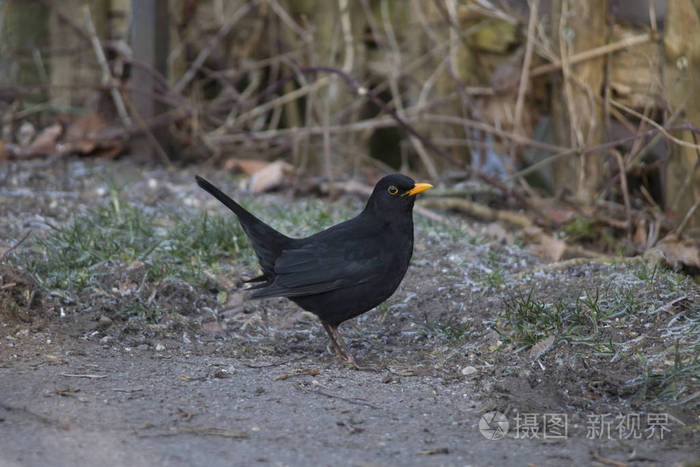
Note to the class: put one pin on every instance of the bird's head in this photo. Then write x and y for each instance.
(395, 192)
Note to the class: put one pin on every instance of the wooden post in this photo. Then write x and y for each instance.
(682, 51)
(149, 41)
(24, 33)
(577, 119)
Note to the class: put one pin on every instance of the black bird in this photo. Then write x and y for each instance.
(343, 271)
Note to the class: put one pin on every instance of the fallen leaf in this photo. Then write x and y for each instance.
(269, 177)
(109, 149)
(86, 136)
(545, 246)
(680, 253)
(541, 348)
(246, 166)
(45, 142)
(85, 129)
(559, 215)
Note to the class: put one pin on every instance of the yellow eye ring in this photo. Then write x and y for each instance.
(392, 190)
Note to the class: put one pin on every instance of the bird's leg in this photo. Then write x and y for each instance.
(348, 354)
(345, 353)
(330, 330)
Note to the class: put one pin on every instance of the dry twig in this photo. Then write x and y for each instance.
(17, 243)
(107, 78)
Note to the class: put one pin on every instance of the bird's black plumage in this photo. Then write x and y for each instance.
(345, 270)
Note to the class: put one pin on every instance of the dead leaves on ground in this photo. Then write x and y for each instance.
(262, 175)
(680, 253)
(86, 135)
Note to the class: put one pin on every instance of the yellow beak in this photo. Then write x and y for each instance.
(419, 188)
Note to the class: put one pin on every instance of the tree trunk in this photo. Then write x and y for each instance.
(577, 116)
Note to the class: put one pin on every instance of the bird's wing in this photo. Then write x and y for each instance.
(321, 266)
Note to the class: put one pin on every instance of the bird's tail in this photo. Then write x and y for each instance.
(267, 242)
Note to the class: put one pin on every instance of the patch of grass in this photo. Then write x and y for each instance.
(529, 320)
(449, 331)
(198, 243)
(647, 274)
(206, 238)
(495, 277)
(613, 325)
(301, 219)
(82, 253)
(149, 314)
(66, 258)
(628, 302)
(592, 302)
(679, 382)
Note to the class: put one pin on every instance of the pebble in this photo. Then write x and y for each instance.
(104, 322)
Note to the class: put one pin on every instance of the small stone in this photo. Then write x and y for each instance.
(468, 370)
(213, 327)
(104, 322)
(159, 347)
(106, 340)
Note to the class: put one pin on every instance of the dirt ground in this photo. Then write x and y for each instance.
(218, 380)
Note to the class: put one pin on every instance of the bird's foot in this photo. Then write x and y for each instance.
(334, 351)
(350, 361)
(341, 349)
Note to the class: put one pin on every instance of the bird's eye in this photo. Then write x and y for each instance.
(392, 190)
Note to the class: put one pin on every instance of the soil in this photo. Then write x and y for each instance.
(251, 382)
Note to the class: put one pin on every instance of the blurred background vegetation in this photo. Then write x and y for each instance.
(576, 113)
